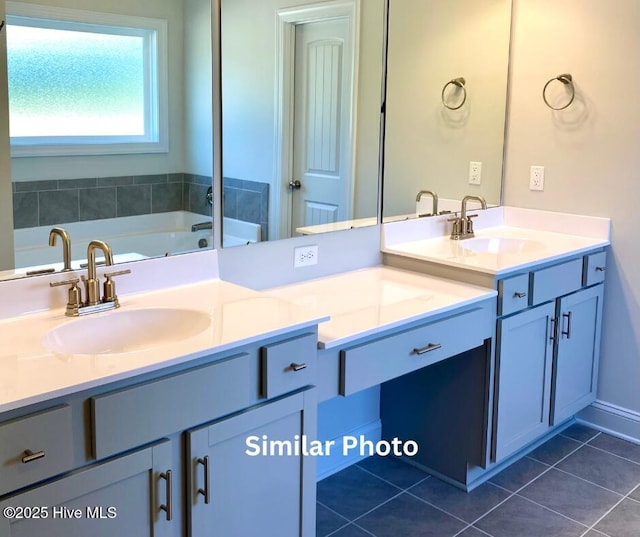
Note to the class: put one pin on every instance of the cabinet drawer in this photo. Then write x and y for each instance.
(595, 266)
(381, 360)
(135, 416)
(288, 365)
(513, 294)
(557, 280)
(35, 447)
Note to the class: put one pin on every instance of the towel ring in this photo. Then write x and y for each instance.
(567, 80)
(460, 83)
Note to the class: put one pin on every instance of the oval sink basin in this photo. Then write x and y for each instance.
(501, 245)
(125, 331)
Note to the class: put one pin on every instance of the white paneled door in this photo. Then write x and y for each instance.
(322, 136)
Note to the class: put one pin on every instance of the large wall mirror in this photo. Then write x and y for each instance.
(111, 128)
(447, 78)
(301, 94)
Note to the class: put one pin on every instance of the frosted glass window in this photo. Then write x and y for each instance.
(72, 83)
(85, 83)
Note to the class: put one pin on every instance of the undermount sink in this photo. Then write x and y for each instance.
(501, 245)
(125, 331)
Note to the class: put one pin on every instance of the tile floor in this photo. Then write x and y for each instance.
(581, 483)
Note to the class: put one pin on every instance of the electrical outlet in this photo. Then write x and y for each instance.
(305, 256)
(536, 178)
(475, 173)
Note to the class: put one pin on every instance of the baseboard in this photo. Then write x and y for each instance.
(612, 419)
(336, 461)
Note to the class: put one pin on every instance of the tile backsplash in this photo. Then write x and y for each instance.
(44, 203)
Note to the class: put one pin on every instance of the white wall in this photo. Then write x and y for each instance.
(248, 93)
(426, 145)
(591, 151)
(111, 166)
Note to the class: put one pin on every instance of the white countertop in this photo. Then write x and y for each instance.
(552, 236)
(30, 373)
(364, 302)
(548, 246)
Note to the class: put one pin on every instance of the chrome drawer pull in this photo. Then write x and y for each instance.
(568, 331)
(601, 269)
(30, 456)
(168, 506)
(519, 295)
(430, 347)
(298, 367)
(205, 492)
(552, 337)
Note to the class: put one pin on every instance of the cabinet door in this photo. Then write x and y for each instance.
(576, 359)
(119, 497)
(233, 493)
(523, 373)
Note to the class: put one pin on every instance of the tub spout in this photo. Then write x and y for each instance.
(202, 225)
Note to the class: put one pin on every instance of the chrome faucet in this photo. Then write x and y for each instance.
(93, 303)
(91, 283)
(463, 226)
(202, 225)
(434, 196)
(66, 245)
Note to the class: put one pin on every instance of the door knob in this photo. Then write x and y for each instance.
(295, 185)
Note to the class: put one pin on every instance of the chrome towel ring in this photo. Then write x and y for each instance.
(567, 80)
(459, 83)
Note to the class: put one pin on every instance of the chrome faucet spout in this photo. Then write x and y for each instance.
(434, 196)
(463, 209)
(66, 245)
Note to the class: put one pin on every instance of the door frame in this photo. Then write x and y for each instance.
(280, 213)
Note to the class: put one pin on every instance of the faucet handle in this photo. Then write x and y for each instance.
(109, 287)
(75, 295)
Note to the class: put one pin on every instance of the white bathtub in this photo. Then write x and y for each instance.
(130, 238)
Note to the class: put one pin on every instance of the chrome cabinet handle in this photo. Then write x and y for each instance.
(552, 337)
(168, 507)
(567, 332)
(205, 491)
(430, 347)
(298, 367)
(30, 456)
(519, 295)
(601, 269)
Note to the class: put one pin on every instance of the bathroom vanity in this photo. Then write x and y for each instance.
(150, 439)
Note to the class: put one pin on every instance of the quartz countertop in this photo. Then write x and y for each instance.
(545, 236)
(31, 373)
(364, 302)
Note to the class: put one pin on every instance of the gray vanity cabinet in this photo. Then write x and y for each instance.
(120, 497)
(546, 354)
(233, 490)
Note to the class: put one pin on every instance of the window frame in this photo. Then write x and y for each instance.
(154, 32)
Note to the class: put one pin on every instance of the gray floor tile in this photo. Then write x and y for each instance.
(603, 469)
(406, 516)
(518, 517)
(579, 432)
(617, 446)
(594, 533)
(635, 494)
(472, 532)
(351, 531)
(554, 449)
(327, 521)
(394, 470)
(570, 496)
(519, 474)
(468, 506)
(623, 521)
(352, 492)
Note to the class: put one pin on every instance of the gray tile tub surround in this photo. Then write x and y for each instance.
(248, 201)
(44, 203)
